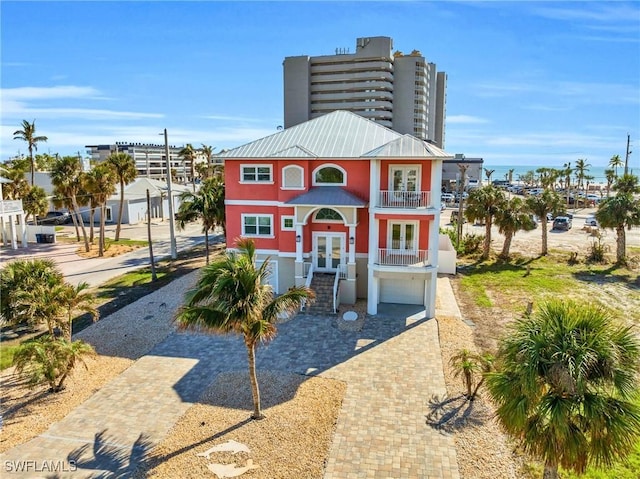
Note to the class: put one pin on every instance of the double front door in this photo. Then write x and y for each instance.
(328, 250)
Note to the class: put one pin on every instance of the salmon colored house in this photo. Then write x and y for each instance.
(344, 196)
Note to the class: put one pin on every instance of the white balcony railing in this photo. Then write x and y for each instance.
(404, 199)
(403, 257)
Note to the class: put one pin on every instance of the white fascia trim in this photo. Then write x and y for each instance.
(254, 203)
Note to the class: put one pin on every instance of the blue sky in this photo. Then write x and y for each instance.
(529, 83)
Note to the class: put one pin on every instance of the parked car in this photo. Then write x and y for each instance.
(594, 198)
(562, 223)
(447, 197)
(591, 221)
(454, 217)
(55, 218)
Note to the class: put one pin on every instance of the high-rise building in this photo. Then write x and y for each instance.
(402, 92)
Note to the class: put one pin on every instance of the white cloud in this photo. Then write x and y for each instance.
(62, 91)
(465, 119)
(592, 11)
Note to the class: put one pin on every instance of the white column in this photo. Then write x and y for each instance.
(23, 224)
(12, 229)
(352, 247)
(372, 294)
(5, 240)
(299, 243)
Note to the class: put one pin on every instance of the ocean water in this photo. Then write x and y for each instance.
(502, 172)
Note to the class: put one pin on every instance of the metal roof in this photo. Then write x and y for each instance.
(339, 134)
(329, 196)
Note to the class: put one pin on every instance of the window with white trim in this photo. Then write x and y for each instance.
(293, 177)
(287, 223)
(256, 174)
(329, 175)
(257, 225)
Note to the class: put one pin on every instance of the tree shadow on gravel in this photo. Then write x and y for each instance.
(449, 415)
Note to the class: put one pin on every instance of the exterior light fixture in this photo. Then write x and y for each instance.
(298, 238)
(352, 240)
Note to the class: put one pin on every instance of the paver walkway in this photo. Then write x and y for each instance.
(392, 368)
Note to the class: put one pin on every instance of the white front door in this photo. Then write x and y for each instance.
(404, 178)
(328, 250)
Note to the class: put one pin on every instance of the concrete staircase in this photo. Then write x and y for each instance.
(322, 285)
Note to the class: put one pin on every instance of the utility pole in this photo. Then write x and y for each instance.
(626, 158)
(463, 175)
(172, 234)
(154, 276)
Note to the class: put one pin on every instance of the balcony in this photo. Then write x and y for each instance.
(404, 199)
(403, 257)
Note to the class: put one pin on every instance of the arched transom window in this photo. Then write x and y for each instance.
(328, 215)
(329, 175)
(293, 177)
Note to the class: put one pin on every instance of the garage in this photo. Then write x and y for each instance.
(272, 279)
(402, 291)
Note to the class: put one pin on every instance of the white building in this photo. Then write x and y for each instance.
(402, 92)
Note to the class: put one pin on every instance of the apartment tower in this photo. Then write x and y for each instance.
(402, 92)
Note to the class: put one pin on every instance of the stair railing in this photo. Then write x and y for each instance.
(307, 282)
(341, 273)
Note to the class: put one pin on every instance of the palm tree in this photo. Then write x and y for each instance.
(566, 172)
(581, 171)
(125, 170)
(621, 212)
(483, 204)
(615, 162)
(50, 360)
(189, 155)
(232, 296)
(35, 203)
(511, 171)
(488, 174)
(19, 186)
(206, 204)
(24, 275)
(511, 218)
(102, 184)
(611, 177)
(28, 134)
(469, 365)
(565, 386)
(66, 177)
(74, 299)
(40, 304)
(540, 205)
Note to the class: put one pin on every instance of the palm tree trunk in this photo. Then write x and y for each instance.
(621, 245)
(84, 231)
(487, 238)
(92, 212)
(206, 243)
(507, 245)
(255, 390)
(120, 209)
(550, 471)
(33, 166)
(101, 239)
(545, 248)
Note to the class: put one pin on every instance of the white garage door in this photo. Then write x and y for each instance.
(272, 279)
(402, 291)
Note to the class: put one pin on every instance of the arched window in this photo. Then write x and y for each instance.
(329, 175)
(328, 215)
(293, 177)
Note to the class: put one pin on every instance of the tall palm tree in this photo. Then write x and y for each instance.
(582, 167)
(610, 175)
(621, 212)
(616, 162)
(206, 204)
(540, 205)
(28, 134)
(189, 155)
(125, 169)
(232, 296)
(565, 386)
(566, 172)
(75, 299)
(208, 153)
(488, 174)
(511, 218)
(66, 177)
(483, 204)
(102, 184)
